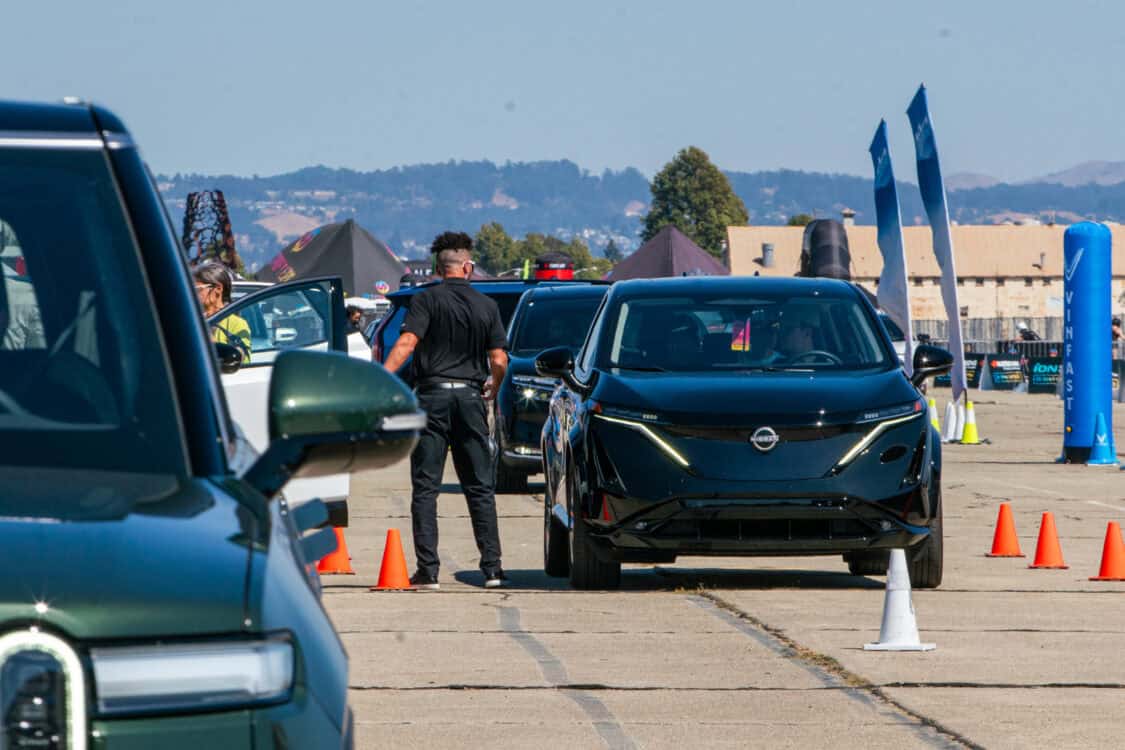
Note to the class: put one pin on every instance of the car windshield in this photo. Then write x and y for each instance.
(83, 376)
(753, 332)
(554, 322)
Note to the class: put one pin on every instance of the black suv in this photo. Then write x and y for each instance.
(547, 316)
(739, 416)
(157, 589)
(506, 292)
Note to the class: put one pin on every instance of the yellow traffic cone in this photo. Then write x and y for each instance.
(932, 406)
(970, 436)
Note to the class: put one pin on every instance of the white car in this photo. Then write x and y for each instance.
(898, 338)
(306, 314)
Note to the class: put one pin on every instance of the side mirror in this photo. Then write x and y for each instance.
(930, 361)
(230, 357)
(555, 363)
(332, 414)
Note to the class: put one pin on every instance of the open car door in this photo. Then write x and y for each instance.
(306, 314)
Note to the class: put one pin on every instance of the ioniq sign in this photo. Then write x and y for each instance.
(764, 439)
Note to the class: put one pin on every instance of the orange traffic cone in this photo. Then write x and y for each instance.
(392, 573)
(1048, 553)
(1005, 543)
(1113, 556)
(338, 562)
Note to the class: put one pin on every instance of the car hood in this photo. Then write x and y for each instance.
(781, 397)
(114, 555)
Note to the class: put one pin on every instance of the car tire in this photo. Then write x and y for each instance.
(587, 571)
(556, 556)
(510, 481)
(868, 563)
(926, 559)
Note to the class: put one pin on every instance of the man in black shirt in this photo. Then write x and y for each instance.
(458, 342)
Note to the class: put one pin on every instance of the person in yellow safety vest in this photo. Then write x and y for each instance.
(213, 286)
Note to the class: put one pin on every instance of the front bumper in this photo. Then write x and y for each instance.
(529, 459)
(741, 526)
(274, 728)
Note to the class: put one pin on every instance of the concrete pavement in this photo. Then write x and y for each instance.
(752, 652)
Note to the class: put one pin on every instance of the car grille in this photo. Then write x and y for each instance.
(763, 529)
(742, 435)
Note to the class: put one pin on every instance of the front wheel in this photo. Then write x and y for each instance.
(556, 556)
(510, 481)
(926, 559)
(587, 571)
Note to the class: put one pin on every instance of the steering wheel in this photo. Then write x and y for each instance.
(812, 353)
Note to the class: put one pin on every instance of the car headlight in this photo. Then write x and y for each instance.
(881, 421)
(531, 388)
(192, 676)
(609, 414)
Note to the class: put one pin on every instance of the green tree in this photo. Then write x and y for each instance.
(799, 220)
(495, 251)
(693, 195)
(613, 253)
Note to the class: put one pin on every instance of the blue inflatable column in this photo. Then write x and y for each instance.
(1087, 361)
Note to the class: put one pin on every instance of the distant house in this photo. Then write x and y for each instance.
(1003, 271)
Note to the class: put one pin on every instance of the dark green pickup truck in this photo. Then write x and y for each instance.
(157, 591)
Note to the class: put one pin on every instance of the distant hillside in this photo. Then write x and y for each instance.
(407, 206)
(1091, 172)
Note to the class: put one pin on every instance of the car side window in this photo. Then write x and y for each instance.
(278, 320)
(586, 355)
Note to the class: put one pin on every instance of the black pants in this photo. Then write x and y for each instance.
(457, 421)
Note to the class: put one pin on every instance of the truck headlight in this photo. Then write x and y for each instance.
(192, 676)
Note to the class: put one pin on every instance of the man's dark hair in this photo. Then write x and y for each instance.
(214, 273)
(451, 241)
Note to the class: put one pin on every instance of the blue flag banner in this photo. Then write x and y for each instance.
(933, 198)
(892, 292)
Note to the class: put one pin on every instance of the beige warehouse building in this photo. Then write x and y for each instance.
(1003, 271)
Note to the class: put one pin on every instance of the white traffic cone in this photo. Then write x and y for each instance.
(959, 432)
(899, 631)
(950, 422)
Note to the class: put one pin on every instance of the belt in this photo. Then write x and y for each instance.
(445, 384)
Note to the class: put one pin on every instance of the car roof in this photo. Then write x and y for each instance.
(733, 284)
(37, 117)
(494, 287)
(577, 291)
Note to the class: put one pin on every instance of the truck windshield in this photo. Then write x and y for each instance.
(83, 376)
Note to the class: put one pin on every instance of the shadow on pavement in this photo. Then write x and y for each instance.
(674, 579)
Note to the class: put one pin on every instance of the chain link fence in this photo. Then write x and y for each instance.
(993, 329)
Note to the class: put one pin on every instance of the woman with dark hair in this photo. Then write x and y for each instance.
(213, 287)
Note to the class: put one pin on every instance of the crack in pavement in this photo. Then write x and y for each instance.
(830, 672)
(554, 672)
(595, 687)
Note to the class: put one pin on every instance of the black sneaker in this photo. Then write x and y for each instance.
(423, 582)
(495, 580)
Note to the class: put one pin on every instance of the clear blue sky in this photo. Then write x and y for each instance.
(1017, 89)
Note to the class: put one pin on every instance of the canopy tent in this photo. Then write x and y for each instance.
(824, 250)
(347, 250)
(669, 253)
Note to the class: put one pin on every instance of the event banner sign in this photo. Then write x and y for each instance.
(1004, 372)
(974, 364)
(1043, 374)
(933, 198)
(892, 291)
(1087, 360)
